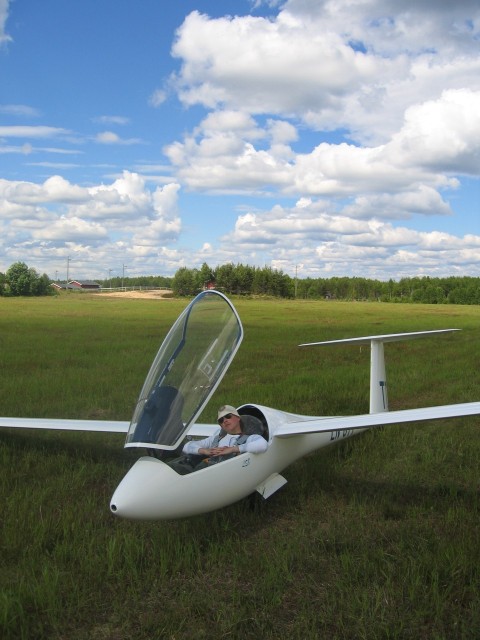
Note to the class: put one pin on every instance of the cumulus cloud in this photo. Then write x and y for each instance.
(397, 176)
(58, 213)
(283, 66)
(363, 67)
(425, 143)
(341, 244)
(441, 134)
(73, 228)
(55, 189)
(331, 63)
(396, 206)
(387, 27)
(365, 113)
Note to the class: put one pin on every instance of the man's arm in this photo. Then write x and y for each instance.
(254, 444)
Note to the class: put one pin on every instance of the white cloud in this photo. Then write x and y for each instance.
(281, 132)
(124, 217)
(281, 66)
(54, 190)
(331, 63)
(24, 149)
(31, 132)
(157, 98)
(110, 137)
(232, 123)
(387, 27)
(370, 87)
(20, 110)
(443, 134)
(366, 113)
(336, 243)
(115, 120)
(4, 37)
(396, 206)
(393, 180)
(71, 229)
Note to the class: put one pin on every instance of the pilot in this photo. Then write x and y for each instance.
(235, 436)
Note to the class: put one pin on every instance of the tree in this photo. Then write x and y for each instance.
(245, 276)
(205, 275)
(25, 281)
(225, 275)
(185, 282)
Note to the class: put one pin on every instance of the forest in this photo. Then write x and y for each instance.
(242, 279)
(245, 280)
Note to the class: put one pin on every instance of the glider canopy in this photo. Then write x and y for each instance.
(186, 371)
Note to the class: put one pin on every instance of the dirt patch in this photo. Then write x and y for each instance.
(146, 295)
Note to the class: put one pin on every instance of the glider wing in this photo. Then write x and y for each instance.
(111, 426)
(366, 421)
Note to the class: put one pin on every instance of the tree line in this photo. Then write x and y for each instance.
(233, 279)
(240, 279)
(116, 282)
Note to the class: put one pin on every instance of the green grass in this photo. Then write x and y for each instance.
(374, 538)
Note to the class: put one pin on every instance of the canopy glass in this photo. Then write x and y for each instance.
(187, 369)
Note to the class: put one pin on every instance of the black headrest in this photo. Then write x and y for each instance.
(252, 425)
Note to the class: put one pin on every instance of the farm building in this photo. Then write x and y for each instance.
(76, 284)
(83, 284)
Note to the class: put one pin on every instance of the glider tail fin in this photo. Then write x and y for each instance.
(378, 377)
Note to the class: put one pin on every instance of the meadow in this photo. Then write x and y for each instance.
(373, 538)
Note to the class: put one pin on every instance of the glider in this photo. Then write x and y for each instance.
(187, 369)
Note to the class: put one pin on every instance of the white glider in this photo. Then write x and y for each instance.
(186, 371)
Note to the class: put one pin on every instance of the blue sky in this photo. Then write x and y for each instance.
(327, 137)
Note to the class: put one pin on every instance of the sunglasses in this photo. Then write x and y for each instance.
(225, 417)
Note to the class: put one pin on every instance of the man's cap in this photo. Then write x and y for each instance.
(227, 408)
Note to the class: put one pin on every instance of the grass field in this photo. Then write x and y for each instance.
(374, 538)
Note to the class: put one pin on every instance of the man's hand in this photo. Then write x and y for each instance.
(218, 451)
(205, 452)
(224, 451)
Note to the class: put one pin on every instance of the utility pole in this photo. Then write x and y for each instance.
(68, 269)
(110, 277)
(123, 272)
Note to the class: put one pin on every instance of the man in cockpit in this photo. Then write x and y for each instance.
(233, 438)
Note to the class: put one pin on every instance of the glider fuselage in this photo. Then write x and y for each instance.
(153, 490)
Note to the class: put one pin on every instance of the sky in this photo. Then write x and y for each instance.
(319, 137)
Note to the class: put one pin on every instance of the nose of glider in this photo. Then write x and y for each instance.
(143, 492)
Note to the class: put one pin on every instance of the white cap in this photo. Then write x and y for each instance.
(225, 410)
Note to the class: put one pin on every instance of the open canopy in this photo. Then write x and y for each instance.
(186, 371)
